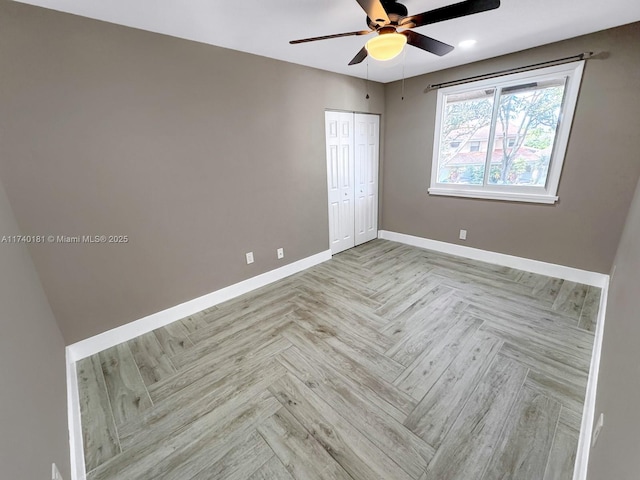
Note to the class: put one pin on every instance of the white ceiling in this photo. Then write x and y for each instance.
(264, 27)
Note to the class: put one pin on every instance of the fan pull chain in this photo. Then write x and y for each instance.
(404, 61)
(367, 97)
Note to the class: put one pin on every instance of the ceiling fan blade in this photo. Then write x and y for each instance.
(462, 9)
(360, 56)
(325, 37)
(375, 11)
(427, 43)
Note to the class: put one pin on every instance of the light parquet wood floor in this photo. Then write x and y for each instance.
(387, 362)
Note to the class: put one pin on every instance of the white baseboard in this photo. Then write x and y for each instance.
(520, 263)
(110, 338)
(552, 270)
(589, 409)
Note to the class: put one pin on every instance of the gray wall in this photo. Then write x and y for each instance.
(616, 454)
(599, 175)
(199, 154)
(33, 414)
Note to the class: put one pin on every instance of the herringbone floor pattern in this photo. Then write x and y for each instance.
(387, 362)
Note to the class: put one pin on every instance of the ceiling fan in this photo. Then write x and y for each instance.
(385, 17)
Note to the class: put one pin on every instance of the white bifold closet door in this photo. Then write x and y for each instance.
(353, 144)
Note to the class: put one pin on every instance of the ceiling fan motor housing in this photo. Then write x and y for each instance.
(395, 11)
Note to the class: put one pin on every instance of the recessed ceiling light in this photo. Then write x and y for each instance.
(467, 43)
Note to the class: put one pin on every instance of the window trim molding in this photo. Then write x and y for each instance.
(532, 194)
(489, 195)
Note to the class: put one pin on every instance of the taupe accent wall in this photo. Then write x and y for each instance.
(198, 154)
(615, 456)
(599, 176)
(33, 413)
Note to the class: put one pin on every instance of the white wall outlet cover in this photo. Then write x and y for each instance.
(597, 429)
(249, 256)
(280, 252)
(463, 234)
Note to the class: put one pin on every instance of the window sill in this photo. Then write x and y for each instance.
(489, 195)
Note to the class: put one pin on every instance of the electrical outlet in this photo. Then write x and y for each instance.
(597, 429)
(280, 252)
(249, 258)
(463, 234)
(55, 473)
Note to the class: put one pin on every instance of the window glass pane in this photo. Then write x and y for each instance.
(464, 134)
(525, 132)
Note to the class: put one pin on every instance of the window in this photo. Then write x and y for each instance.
(516, 126)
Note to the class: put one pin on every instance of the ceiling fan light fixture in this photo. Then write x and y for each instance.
(386, 46)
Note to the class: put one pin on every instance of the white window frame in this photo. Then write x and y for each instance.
(519, 193)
